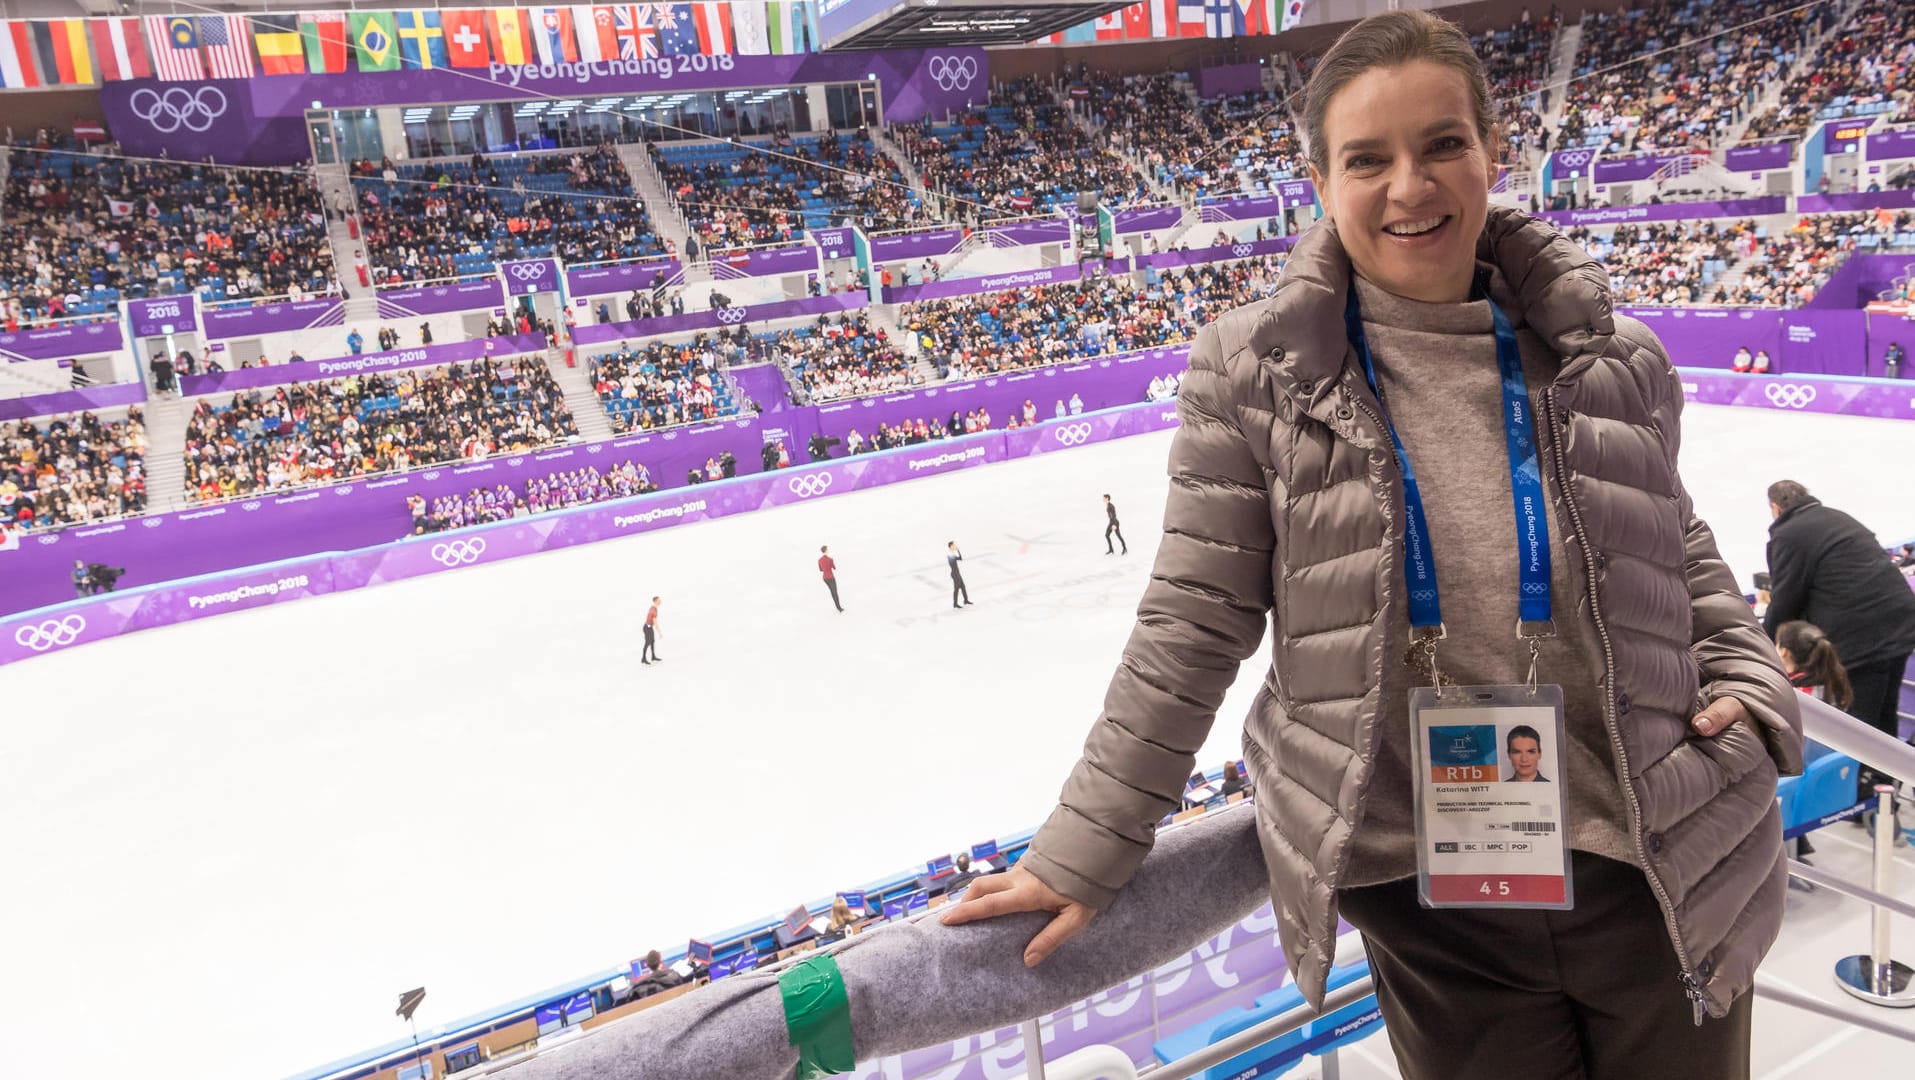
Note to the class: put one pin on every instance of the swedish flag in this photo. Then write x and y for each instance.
(377, 40)
(183, 31)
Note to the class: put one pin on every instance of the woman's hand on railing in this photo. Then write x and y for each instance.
(1019, 890)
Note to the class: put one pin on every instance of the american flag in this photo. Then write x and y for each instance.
(228, 44)
(175, 40)
(636, 35)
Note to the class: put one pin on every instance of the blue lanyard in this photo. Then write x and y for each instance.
(1525, 482)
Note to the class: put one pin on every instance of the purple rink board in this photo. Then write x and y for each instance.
(261, 121)
(919, 245)
(1623, 215)
(439, 299)
(236, 322)
(712, 319)
(1892, 399)
(1015, 279)
(1760, 158)
(1841, 204)
(203, 540)
(623, 278)
(71, 401)
(63, 342)
(152, 317)
(1799, 341)
(1890, 145)
(457, 352)
(764, 262)
(1165, 260)
(1885, 328)
(1148, 219)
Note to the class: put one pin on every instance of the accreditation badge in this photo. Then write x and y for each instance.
(1490, 830)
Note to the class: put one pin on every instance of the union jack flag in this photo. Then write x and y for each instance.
(637, 37)
(667, 16)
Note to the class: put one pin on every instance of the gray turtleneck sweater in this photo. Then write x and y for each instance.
(1437, 366)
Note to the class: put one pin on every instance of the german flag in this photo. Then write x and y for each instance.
(281, 51)
(65, 51)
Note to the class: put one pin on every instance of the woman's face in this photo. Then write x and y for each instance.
(1409, 178)
(1524, 755)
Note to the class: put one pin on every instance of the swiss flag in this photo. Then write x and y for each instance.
(465, 38)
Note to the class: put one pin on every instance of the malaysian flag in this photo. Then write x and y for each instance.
(175, 47)
(228, 44)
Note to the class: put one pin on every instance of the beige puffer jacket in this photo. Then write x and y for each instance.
(1285, 497)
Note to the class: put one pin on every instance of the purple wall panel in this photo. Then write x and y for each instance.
(1842, 396)
(1883, 329)
(1709, 337)
(457, 352)
(1621, 170)
(1148, 218)
(224, 323)
(439, 299)
(1859, 200)
(1618, 215)
(1030, 232)
(624, 278)
(934, 244)
(149, 318)
(1890, 145)
(70, 401)
(1759, 158)
(61, 342)
(1823, 343)
(1015, 279)
(798, 259)
(600, 333)
(1229, 79)
(1165, 260)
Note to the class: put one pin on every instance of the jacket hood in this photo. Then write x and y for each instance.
(1562, 291)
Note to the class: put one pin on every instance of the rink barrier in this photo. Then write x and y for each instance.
(61, 626)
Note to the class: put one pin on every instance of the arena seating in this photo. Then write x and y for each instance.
(845, 358)
(732, 195)
(576, 487)
(1671, 263)
(1198, 148)
(1856, 72)
(1020, 154)
(1796, 263)
(983, 333)
(1685, 94)
(69, 470)
(83, 231)
(658, 385)
(1516, 59)
(315, 433)
(458, 219)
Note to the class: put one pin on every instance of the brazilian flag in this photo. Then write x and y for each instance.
(376, 38)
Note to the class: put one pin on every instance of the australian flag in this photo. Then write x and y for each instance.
(677, 31)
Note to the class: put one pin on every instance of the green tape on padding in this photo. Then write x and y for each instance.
(818, 1017)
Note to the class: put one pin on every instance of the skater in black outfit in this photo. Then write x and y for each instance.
(650, 652)
(952, 556)
(829, 568)
(1112, 528)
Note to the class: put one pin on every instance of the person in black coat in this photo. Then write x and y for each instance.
(953, 557)
(1825, 567)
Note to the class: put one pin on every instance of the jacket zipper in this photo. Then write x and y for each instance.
(1691, 984)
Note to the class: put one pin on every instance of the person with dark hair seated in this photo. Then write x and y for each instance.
(658, 978)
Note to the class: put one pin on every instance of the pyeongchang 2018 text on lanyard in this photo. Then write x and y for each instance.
(1487, 760)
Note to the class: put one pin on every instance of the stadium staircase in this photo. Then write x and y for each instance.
(1061, 94)
(881, 138)
(650, 187)
(1772, 93)
(576, 384)
(166, 417)
(1562, 68)
(334, 179)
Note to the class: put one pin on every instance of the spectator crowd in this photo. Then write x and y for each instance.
(660, 384)
(70, 470)
(555, 491)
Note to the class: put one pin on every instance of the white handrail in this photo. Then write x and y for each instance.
(1844, 734)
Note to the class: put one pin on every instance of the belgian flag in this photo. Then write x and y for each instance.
(281, 52)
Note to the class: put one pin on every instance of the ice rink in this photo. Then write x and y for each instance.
(241, 838)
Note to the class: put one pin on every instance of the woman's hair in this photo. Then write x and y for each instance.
(1815, 658)
(1229, 767)
(1390, 40)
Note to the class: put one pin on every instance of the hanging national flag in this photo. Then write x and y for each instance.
(1256, 17)
(173, 44)
(1110, 26)
(66, 56)
(749, 28)
(421, 40)
(1292, 14)
(552, 35)
(375, 37)
(677, 36)
(465, 38)
(1137, 19)
(281, 52)
(120, 49)
(595, 39)
(16, 56)
(1220, 18)
(89, 131)
(229, 46)
(1190, 18)
(632, 31)
(325, 36)
(714, 27)
(785, 26)
(511, 44)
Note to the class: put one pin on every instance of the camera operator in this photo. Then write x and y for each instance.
(102, 578)
(769, 455)
(820, 446)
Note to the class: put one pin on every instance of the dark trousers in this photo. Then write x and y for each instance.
(650, 651)
(832, 584)
(1589, 994)
(1878, 690)
(957, 586)
(1114, 529)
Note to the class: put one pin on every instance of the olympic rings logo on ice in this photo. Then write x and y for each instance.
(809, 485)
(731, 316)
(526, 271)
(954, 72)
(1072, 434)
(1789, 395)
(176, 107)
(1238, 251)
(459, 552)
(51, 634)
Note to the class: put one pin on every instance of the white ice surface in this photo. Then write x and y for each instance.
(230, 844)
